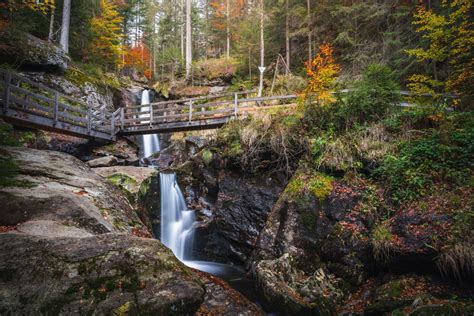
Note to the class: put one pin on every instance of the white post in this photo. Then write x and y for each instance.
(236, 101)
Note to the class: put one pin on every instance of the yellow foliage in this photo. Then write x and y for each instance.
(106, 27)
(322, 72)
(41, 6)
(451, 38)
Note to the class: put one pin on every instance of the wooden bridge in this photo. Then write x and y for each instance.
(31, 104)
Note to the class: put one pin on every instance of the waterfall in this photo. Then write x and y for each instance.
(177, 222)
(151, 143)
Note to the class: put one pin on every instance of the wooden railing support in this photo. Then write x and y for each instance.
(89, 120)
(112, 125)
(151, 115)
(6, 97)
(236, 102)
(122, 117)
(56, 108)
(190, 111)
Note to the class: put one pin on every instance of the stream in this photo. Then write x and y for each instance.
(178, 224)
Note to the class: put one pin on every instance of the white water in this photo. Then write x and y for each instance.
(151, 143)
(177, 222)
(177, 233)
(178, 227)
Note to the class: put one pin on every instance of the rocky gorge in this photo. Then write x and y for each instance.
(80, 220)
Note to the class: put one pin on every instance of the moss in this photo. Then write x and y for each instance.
(122, 309)
(9, 170)
(320, 185)
(125, 183)
(207, 156)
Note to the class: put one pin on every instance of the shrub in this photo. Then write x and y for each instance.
(381, 242)
(443, 155)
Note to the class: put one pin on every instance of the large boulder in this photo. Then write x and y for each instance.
(53, 186)
(106, 274)
(29, 52)
(141, 187)
(314, 245)
(67, 247)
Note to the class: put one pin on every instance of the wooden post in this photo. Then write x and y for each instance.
(89, 122)
(122, 116)
(151, 115)
(56, 108)
(190, 110)
(236, 101)
(6, 97)
(112, 125)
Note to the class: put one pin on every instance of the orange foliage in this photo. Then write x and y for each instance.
(139, 57)
(322, 72)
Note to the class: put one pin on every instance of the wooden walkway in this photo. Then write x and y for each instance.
(194, 114)
(31, 104)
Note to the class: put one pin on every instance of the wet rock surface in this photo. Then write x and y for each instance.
(232, 208)
(67, 246)
(106, 274)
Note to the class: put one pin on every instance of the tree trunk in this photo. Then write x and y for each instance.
(181, 17)
(64, 40)
(189, 50)
(287, 36)
(51, 26)
(262, 50)
(310, 51)
(227, 29)
(206, 41)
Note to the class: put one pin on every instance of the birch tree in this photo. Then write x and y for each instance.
(64, 39)
(189, 48)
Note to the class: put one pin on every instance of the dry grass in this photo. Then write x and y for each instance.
(381, 242)
(458, 260)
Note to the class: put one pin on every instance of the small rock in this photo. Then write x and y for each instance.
(107, 161)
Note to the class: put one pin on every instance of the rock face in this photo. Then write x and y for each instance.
(325, 249)
(58, 187)
(30, 52)
(141, 187)
(231, 209)
(106, 274)
(67, 247)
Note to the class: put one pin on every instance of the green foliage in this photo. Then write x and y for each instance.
(306, 181)
(6, 136)
(207, 156)
(381, 240)
(440, 155)
(370, 100)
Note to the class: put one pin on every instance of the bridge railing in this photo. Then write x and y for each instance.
(191, 110)
(22, 98)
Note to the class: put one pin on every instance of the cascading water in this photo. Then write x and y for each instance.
(177, 222)
(177, 233)
(151, 143)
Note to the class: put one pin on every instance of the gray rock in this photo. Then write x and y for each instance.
(53, 186)
(51, 229)
(100, 275)
(103, 162)
(27, 51)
